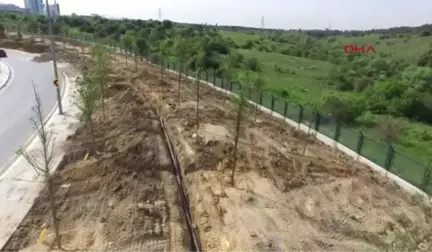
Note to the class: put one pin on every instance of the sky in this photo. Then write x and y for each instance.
(284, 14)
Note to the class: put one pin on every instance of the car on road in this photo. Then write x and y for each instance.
(2, 54)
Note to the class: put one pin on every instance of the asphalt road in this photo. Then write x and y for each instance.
(17, 100)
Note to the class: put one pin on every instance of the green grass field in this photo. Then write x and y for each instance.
(305, 80)
(401, 48)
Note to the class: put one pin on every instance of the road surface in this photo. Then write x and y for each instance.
(17, 100)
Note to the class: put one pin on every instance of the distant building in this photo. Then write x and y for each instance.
(34, 6)
(11, 8)
(54, 10)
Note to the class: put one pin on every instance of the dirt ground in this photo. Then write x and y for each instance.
(125, 199)
(282, 199)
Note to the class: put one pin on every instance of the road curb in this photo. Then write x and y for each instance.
(4, 66)
(46, 122)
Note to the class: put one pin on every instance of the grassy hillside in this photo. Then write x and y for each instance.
(301, 77)
(405, 47)
(308, 79)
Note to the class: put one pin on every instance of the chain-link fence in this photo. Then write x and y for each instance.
(378, 152)
(410, 169)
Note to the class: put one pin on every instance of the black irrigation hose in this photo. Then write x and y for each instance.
(195, 243)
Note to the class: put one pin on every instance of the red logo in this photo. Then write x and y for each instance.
(350, 49)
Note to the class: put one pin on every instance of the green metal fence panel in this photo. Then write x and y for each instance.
(308, 117)
(218, 82)
(327, 126)
(178, 68)
(279, 106)
(375, 151)
(349, 138)
(293, 111)
(203, 75)
(408, 169)
(191, 72)
(236, 88)
(266, 100)
(255, 96)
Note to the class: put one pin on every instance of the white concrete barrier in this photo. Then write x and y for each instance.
(5, 74)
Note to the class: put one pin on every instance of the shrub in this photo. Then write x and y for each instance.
(344, 85)
(284, 93)
(362, 83)
(155, 58)
(425, 34)
(286, 52)
(264, 48)
(248, 45)
(253, 64)
(345, 111)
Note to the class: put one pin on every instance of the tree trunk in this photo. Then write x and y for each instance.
(103, 103)
(161, 70)
(256, 113)
(306, 142)
(90, 123)
(224, 90)
(178, 89)
(197, 101)
(136, 64)
(53, 209)
(237, 135)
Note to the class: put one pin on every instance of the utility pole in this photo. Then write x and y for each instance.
(160, 14)
(50, 31)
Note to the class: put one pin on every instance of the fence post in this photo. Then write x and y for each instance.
(360, 142)
(317, 121)
(261, 99)
(426, 176)
(272, 104)
(222, 83)
(338, 130)
(214, 77)
(390, 156)
(206, 75)
(231, 86)
(249, 93)
(300, 118)
(285, 110)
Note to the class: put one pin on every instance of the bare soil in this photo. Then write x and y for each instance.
(282, 199)
(123, 198)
